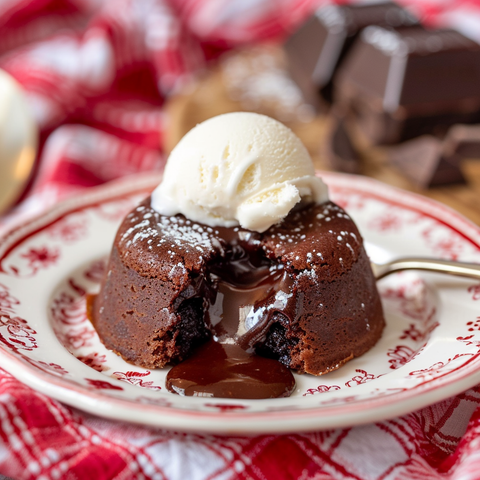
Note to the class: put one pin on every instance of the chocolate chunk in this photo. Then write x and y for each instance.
(424, 81)
(340, 150)
(316, 49)
(424, 162)
(464, 141)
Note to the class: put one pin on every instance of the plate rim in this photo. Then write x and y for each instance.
(293, 420)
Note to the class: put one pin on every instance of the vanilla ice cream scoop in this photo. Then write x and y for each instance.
(238, 169)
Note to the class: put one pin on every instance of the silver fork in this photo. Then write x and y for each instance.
(459, 269)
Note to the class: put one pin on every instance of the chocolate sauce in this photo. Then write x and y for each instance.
(248, 285)
(228, 371)
(250, 288)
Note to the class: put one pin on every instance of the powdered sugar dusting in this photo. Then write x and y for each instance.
(309, 273)
(174, 235)
(303, 248)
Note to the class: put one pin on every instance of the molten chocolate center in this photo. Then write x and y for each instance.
(249, 290)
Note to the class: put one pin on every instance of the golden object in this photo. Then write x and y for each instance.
(18, 141)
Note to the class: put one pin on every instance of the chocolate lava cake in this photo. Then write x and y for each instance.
(319, 307)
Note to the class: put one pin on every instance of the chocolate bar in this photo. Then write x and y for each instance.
(405, 83)
(341, 153)
(430, 161)
(422, 160)
(464, 141)
(317, 48)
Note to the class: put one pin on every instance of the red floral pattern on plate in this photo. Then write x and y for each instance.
(29, 261)
(7, 302)
(70, 230)
(437, 367)
(75, 339)
(413, 297)
(95, 360)
(20, 336)
(362, 378)
(475, 291)
(42, 257)
(400, 355)
(137, 379)
(68, 309)
(51, 368)
(96, 271)
(69, 316)
(470, 340)
(445, 244)
(389, 221)
(474, 325)
(321, 389)
(16, 333)
(419, 335)
(102, 384)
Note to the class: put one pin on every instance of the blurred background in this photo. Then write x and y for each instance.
(95, 90)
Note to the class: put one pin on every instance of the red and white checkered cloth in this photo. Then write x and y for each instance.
(96, 73)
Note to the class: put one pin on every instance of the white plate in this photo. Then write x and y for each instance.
(430, 349)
